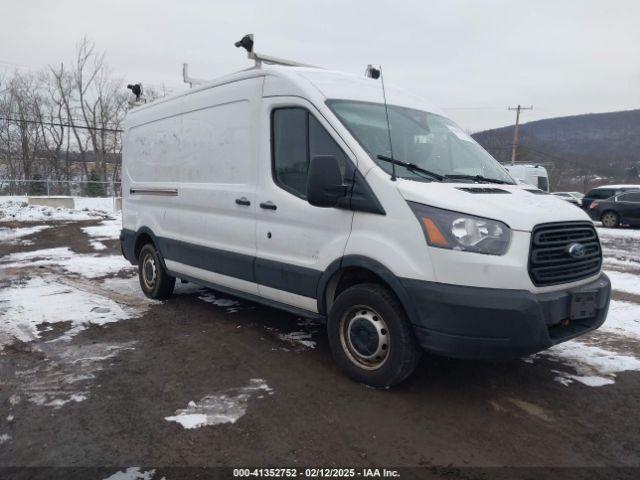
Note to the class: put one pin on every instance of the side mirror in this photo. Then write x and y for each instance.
(325, 184)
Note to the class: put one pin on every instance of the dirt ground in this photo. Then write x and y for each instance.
(452, 419)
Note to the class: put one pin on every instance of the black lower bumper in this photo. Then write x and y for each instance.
(487, 323)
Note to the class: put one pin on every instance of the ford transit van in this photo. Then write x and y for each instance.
(302, 189)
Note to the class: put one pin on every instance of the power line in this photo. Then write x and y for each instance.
(73, 119)
(54, 124)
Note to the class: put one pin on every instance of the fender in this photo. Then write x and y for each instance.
(392, 281)
(129, 239)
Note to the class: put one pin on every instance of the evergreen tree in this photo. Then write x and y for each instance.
(94, 188)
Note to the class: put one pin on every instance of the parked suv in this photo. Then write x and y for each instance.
(302, 189)
(624, 208)
(604, 192)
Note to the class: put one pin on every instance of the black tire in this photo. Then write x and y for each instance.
(154, 280)
(363, 319)
(610, 219)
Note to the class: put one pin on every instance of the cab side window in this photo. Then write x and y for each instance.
(629, 197)
(601, 193)
(296, 138)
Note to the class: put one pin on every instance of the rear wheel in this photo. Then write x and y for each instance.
(154, 280)
(610, 219)
(370, 336)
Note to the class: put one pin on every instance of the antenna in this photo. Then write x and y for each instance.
(386, 113)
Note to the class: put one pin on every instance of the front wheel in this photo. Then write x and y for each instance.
(370, 336)
(155, 282)
(610, 219)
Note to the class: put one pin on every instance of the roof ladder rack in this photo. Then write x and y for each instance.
(246, 42)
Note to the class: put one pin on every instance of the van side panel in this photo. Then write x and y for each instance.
(205, 153)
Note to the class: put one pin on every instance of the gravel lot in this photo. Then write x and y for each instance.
(95, 375)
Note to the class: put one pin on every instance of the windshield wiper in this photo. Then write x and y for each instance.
(477, 178)
(411, 167)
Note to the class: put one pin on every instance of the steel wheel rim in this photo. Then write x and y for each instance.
(149, 271)
(364, 336)
(609, 220)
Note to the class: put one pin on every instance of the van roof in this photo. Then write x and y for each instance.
(316, 84)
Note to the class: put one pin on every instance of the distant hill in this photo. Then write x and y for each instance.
(580, 151)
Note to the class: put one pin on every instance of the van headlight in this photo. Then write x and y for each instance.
(459, 231)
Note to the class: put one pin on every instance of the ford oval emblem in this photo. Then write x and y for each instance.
(576, 250)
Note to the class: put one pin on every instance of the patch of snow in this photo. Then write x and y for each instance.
(567, 379)
(226, 407)
(11, 235)
(303, 338)
(590, 362)
(96, 245)
(623, 319)
(611, 261)
(10, 418)
(4, 438)
(231, 306)
(625, 282)
(65, 373)
(12, 210)
(132, 473)
(89, 266)
(45, 299)
(618, 232)
(102, 204)
(108, 229)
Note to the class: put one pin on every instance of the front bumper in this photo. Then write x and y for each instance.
(488, 323)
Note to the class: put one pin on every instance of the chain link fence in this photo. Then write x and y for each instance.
(51, 188)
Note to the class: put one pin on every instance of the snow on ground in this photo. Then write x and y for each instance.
(18, 209)
(48, 300)
(625, 282)
(89, 266)
(225, 407)
(65, 375)
(12, 236)
(107, 230)
(619, 233)
(303, 338)
(133, 473)
(104, 204)
(231, 306)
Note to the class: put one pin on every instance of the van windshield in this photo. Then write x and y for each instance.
(424, 139)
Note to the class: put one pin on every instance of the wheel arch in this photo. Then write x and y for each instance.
(354, 269)
(143, 236)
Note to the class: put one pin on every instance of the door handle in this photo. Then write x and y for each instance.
(268, 205)
(243, 201)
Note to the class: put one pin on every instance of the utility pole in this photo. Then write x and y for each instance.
(515, 132)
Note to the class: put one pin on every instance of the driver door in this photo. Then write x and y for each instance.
(295, 241)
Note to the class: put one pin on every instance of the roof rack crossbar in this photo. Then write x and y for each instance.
(260, 58)
(246, 42)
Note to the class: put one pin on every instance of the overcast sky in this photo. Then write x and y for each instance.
(471, 57)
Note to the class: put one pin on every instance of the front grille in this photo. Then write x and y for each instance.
(549, 259)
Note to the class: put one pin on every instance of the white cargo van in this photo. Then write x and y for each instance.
(278, 184)
(535, 175)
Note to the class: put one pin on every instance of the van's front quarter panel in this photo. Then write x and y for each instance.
(464, 304)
